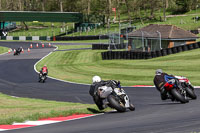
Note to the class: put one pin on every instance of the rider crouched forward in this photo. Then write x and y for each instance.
(164, 82)
(95, 93)
(43, 71)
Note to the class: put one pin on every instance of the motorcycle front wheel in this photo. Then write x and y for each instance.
(132, 107)
(178, 96)
(190, 93)
(116, 104)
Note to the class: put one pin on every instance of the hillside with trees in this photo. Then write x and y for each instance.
(135, 9)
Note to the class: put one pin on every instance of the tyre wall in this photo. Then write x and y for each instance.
(145, 55)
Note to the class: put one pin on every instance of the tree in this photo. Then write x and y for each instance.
(88, 6)
(128, 9)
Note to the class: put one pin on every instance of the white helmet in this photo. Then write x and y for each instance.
(96, 79)
(159, 71)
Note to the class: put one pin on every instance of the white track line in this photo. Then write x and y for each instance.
(53, 77)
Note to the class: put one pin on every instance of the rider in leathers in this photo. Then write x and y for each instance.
(97, 82)
(163, 81)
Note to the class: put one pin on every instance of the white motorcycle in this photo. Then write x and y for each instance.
(115, 98)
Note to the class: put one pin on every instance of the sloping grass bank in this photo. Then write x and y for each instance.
(81, 65)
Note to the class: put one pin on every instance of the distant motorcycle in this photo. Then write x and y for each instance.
(188, 87)
(115, 98)
(42, 77)
(18, 51)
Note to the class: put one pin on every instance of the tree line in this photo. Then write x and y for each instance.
(134, 9)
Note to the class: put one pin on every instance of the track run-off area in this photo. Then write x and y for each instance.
(152, 115)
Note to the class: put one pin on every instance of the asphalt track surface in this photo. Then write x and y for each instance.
(18, 78)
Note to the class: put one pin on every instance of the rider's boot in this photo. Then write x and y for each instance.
(163, 94)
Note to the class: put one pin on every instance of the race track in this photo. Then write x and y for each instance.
(18, 78)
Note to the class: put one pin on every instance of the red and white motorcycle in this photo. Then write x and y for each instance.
(187, 86)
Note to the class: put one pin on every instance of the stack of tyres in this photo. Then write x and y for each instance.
(103, 55)
(148, 55)
(195, 45)
(164, 52)
(153, 54)
(190, 46)
(174, 50)
(184, 47)
(158, 53)
(128, 55)
(179, 49)
(121, 54)
(169, 51)
(109, 55)
(139, 55)
(125, 54)
(132, 55)
(112, 55)
(115, 55)
(118, 55)
(106, 55)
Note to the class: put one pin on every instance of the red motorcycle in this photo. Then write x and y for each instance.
(188, 87)
(175, 91)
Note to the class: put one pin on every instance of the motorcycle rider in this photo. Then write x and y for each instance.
(44, 70)
(163, 81)
(95, 93)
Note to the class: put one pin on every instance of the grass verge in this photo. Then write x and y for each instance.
(3, 50)
(81, 65)
(14, 109)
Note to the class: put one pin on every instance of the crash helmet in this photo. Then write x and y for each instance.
(159, 71)
(96, 79)
(45, 65)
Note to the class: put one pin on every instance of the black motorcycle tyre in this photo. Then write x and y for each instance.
(132, 107)
(178, 96)
(190, 93)
(115, 104)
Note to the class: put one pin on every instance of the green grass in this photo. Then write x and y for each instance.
(3, 49)
(14, 109)
(81, 65)
(63, 47)
(82, 41)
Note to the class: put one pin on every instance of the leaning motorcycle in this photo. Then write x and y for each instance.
(186, 84)
(42, 77)
(176, 91)
(17, 52)
(115, 98)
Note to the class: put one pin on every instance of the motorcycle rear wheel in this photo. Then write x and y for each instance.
(114, 103)
(178, 96)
